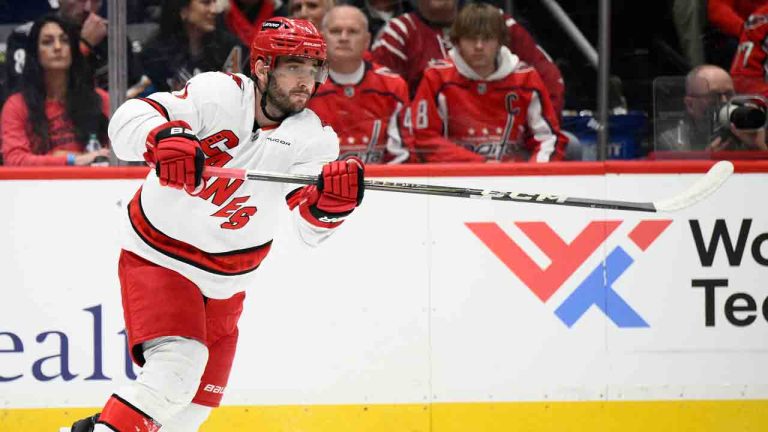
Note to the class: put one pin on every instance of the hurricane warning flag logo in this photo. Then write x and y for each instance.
(566, 257)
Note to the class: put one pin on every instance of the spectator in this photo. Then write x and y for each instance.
(189, 42)
(92, 40)
(726, 19)
(749, 66)
(365, 104)
(244, 17)
(312, 10)
(58, 109)
(411, 41)
(379, 12)
(484, 104)
(707, 89)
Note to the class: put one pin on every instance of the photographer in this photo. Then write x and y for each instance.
(712, 122)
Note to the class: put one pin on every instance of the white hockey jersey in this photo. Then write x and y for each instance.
(218, 237)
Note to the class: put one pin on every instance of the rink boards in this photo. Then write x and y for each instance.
(426, 313)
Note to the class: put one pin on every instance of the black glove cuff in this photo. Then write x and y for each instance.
(175, 131)
(199, 166)
(324, 215)
(360, 185)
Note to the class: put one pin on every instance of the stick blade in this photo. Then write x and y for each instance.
(712, 180)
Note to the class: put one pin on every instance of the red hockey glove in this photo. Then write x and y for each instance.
(176, 155)
(338, 191)
(341, 186)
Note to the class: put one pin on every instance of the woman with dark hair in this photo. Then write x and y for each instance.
(58, 110)
(189, 42)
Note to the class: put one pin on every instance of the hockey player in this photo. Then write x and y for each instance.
(484, 104)
(366, 104)
(192, 244)
(410, 42)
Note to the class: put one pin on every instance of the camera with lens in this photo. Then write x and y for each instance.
(743, 112)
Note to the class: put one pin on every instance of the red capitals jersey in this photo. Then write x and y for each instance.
(370, 115)
(728, 16)
(408, 43)
(459, 116)
(750, 64)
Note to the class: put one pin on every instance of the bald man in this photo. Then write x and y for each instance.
(366, 104)
(707, 89)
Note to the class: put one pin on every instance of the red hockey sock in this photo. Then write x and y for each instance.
(121, 416)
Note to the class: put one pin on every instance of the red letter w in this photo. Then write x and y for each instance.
(565, 257)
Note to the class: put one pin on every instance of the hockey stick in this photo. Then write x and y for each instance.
(704, 186)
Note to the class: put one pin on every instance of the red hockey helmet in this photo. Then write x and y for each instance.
(280, 36)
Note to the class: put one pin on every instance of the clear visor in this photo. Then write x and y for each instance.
(302, 68)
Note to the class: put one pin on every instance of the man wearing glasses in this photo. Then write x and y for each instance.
(705, 127)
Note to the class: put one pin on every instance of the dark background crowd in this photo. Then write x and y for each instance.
(688, 82)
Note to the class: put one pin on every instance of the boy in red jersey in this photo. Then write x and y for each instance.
(408, 43)
(484, 104)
